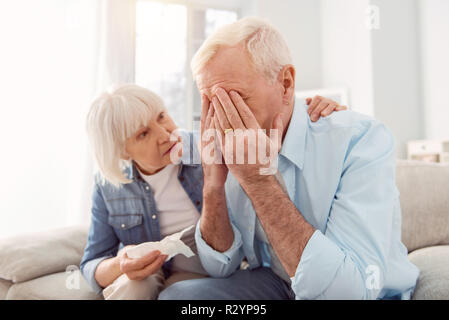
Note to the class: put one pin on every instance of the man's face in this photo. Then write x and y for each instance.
(232, 69)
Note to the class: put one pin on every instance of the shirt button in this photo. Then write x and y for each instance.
(197, 203)
(153, 216)
(147, 187)
(181, 179)
(123, 225)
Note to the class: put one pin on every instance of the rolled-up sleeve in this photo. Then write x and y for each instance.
(102, 242)
(88, 271)
(341, 262)
(219, 264)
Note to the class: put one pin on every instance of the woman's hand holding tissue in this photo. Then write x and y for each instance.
(140, 261)
(141, 268)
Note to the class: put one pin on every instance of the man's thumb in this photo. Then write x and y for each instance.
(278, 125)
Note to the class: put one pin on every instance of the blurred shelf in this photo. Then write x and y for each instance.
(428, 150)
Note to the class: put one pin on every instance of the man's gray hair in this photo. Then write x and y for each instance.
(267, 48)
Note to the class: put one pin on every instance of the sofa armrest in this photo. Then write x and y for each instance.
(424, 194)
(31, 255)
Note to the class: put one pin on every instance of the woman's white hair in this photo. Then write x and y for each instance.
(266, 46)
(113, 117)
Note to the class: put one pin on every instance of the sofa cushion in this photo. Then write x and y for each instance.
(433, 281)
(32, 255)
(57, 286)
(4, 287)
(424, 194)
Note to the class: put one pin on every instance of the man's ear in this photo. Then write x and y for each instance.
(286, 78)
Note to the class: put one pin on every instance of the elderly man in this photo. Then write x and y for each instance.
(328, 224)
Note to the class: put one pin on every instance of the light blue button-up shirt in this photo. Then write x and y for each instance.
(340, 174)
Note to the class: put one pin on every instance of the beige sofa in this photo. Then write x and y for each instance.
(44, 265)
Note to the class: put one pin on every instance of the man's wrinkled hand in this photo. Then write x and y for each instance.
(214, 170)
(241, 138)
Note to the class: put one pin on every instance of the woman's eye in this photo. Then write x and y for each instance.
(161, 115)
(143, 134)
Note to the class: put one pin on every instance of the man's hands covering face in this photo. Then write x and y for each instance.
(240, 145)
(246, 149)
(214, 169)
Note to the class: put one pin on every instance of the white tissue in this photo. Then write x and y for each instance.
(170, 245)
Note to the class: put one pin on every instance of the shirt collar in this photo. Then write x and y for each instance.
(133, 173)
(294, 144)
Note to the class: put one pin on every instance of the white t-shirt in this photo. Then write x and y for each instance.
(176, 212)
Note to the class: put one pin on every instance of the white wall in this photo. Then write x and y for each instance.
(346, 51)
(299, 22)
(396, 70)
(47, 65)
(434, 16)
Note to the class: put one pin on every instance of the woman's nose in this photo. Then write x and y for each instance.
(163, 133)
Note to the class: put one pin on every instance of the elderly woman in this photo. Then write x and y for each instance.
(140, 195)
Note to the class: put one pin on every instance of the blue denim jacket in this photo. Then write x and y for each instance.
(128, 215)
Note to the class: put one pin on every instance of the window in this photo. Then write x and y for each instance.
(167, 36)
